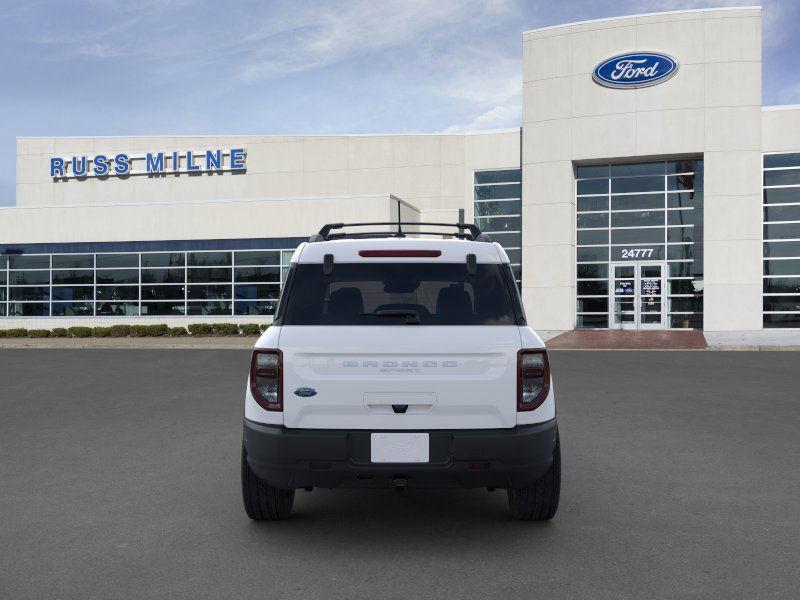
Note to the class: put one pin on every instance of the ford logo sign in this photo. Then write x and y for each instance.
(305, 392)
(635, 70)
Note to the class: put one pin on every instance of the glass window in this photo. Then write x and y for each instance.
(113, 261)
(73, 309)
(685, 304)
(259, 257)
(209, 259)
(651, 168)
(3, 262)
(782, 195)
(162, 309)
(694, 321)
(782, 213)
(637, 218)
(790, 159)
(502, 224)
(782, 303)
(592, 186)
(498, 207)
(29, 277)
(163, 276)
(163, 259)
(679, 252)
(684, 182)
(593, 288)
(782, 267)
(211, 275)
(684, 166)
(592, 236)
(29, 293)
(498, 176)
(117, 292)
(782, 249)
(592, 220)
(2, 278)
(83, 292)
(117, 309)
(684, 200)
(496, 192)
(254, 292)
(257, 274)
(255, 308)
(592, 254)
(73, 261)
(637, 236)
(637, 202)
(589, 171)
(592, 203)
(117, 275)
(683, 286)
(681, 269)
(507, 240)
(40, 261)
(162, 292)
(782, 285)
(593, 305)
(680, 234)
(636, 184)
(592, 321)
(788, 177)
(208, 292)
(387, 293)
(638, 252)
(683, 217)
(782, 231)
(209, 308)
(514, 256)
(782, 320)
(65, 277)
(592, 271)
(28, 309)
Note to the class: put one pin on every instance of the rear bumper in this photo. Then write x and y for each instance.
(467, 458)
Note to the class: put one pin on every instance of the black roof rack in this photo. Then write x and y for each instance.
(464, 231)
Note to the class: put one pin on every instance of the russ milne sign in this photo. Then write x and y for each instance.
(635, 70)
(151, 163)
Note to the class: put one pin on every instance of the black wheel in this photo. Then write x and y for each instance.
(539, 501)
(262, 502)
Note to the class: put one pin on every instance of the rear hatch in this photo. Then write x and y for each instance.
(400, 343)
(407, 377)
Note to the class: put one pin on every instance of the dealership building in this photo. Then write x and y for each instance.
(646, 188)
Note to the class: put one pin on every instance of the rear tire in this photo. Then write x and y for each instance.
(262, 502)
(538, 501)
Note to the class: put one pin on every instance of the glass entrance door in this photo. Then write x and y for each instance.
(637, 295)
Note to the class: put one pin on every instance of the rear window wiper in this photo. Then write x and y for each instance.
(412, 316)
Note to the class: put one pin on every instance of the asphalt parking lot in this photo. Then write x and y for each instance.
(119, 478)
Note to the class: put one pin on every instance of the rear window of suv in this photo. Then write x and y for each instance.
(399, 294)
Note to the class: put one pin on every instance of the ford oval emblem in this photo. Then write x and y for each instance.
(305, 392)
(635, 70)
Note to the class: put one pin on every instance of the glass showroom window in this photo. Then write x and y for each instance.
(640, 212)
(781, 301)
(130, 284)
(498, 211)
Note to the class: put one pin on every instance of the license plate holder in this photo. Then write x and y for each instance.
(403, 447)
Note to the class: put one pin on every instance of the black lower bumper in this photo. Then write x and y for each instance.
(467, 458)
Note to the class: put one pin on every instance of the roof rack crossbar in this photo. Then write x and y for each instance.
(465, 231)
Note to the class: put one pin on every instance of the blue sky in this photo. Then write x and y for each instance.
(151, 67)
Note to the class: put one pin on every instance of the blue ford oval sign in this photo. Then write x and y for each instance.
(305, 392)
(635, 70)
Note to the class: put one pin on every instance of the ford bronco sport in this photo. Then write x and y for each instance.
(400, 362)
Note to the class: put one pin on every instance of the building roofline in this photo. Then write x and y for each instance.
(261, 135)
(652, 14)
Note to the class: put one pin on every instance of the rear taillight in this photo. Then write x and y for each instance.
(533, 379)
(266, 379)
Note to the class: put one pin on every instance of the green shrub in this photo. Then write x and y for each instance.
(263, 327)
(157, 330)
(201, 329)
(250, 329)
(16, 332)
(138, 330)
(101, 332)
(120, 330)
(225, 329)
(2, 333)
(80, 332)
(38, 333)
(177, 331)
(59, 332)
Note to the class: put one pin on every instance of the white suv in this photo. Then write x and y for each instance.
(400, 362)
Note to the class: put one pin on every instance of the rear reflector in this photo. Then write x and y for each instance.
(399, 253)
